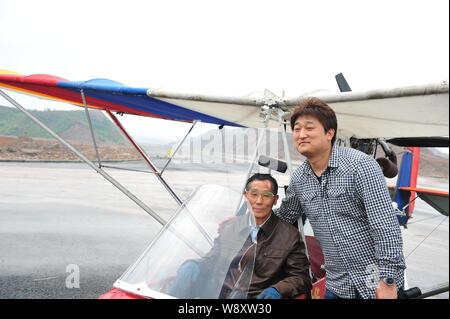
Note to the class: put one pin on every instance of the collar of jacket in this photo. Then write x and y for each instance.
(333, 161)
(267, 228)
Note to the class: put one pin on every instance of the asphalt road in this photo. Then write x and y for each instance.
(57, 218)
(41, 239)
(55, 215)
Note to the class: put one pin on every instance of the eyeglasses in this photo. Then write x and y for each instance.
(254, 194)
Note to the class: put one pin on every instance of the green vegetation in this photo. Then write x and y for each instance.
(72, 125)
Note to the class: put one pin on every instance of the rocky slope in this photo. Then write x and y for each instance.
(37, 149)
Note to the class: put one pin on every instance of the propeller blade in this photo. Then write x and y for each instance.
(342, 83)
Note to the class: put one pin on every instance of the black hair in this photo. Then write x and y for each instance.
(263, 177)
(320, 110)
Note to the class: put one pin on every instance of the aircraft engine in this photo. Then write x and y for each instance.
(389, 168)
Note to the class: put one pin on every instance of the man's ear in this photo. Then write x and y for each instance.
(330, 133)
(275, 199)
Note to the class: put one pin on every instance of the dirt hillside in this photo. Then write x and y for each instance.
(29, 149)
(432, 162)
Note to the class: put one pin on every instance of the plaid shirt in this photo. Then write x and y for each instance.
(352, 217)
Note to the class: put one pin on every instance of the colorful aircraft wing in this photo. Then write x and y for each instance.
(420, 111)
(438, 199)
(103, 94)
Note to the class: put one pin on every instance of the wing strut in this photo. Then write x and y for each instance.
(178, 147)
(85, 159)
(161, 179)
(282, 126)
(91, 128)
(145, 157)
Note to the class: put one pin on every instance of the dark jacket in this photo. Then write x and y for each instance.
(277, 260)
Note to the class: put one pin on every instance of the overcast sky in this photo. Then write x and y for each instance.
(229, 47)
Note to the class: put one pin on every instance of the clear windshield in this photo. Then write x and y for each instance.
(181, 262)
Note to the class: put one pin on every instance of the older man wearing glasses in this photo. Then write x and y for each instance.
(270, 264)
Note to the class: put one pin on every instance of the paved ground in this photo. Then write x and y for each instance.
(54, 216)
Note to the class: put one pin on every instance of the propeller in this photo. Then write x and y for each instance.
(390, 170)
(342, 83)
(389, 163)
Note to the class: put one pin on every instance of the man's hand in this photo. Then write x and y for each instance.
(269, 293)
(384, 291)
(189, 271)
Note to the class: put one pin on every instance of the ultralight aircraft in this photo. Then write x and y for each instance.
(415, 116)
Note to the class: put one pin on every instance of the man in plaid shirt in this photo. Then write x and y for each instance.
(344, 194)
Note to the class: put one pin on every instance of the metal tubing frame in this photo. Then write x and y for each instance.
(158, 175)
(285, 142)
(255, 155)
(161, 94)
(128, 169)
(281, 123)
(433, 88)
(434, 292)
(145, 157)
(429, 89)
(178, 147)
(83, 97)
(267, 111)
(85, 159)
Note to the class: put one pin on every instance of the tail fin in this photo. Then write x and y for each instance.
(409, 170)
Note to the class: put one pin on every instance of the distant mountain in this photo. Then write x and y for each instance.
(214, 146)
(236, 145)
(71, 125)
(433, 163)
